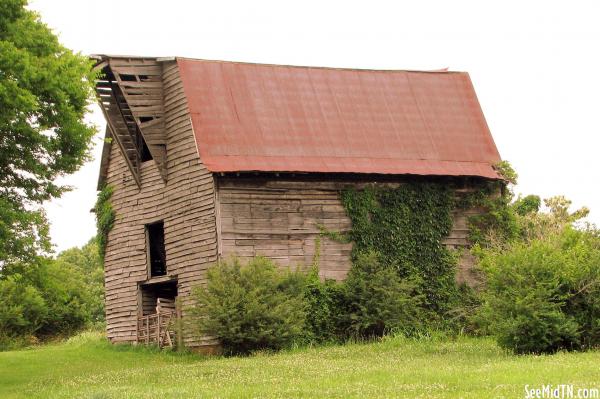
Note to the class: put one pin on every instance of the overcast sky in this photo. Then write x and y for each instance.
(534, 64)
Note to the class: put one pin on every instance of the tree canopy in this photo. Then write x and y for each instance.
(45, 90)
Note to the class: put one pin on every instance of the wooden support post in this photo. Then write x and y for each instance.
(178, 324)
(158, 330)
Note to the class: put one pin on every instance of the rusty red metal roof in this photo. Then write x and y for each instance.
(254, 117)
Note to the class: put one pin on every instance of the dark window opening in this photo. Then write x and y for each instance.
(127, 78)
(145, 152)
(156, 243)
(158, 298)
(143, 148)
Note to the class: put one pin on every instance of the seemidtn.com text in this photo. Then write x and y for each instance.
(562, 391)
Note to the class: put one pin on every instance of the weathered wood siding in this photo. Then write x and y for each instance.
(280, 219)
(185, 204)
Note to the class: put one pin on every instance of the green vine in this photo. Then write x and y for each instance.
(405, 227)
(337, 236)
(105, 217)
(317, 254)
(498, 220)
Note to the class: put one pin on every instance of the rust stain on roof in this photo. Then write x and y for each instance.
(254, 117)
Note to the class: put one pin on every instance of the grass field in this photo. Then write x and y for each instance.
(88, 367)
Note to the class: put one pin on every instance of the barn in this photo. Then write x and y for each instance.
(208, 159)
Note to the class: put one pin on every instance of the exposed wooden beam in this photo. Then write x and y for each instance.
(143, 92)
(115, 136)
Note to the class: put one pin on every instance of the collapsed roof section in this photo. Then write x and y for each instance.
(130, 93)
(274, 118)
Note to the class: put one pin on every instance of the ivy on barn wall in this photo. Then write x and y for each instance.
(105, 217)
(405, 226)
(498, 221)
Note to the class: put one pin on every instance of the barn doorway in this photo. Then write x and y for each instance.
(157, 297)
(157, 313)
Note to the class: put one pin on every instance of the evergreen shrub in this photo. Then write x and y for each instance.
(250, 307)
(544, 295)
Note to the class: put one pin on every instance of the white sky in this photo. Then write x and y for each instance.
(535, 66)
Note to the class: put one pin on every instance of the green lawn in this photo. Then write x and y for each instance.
(88, 367)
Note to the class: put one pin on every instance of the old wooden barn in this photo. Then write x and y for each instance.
(208, 159)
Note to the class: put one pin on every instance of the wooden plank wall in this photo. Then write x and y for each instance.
(148, 302)
(280, 218)
(185, 203)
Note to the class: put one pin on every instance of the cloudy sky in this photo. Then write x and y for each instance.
(535, 66)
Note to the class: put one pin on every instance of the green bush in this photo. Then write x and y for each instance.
(68, 299)
(544, 295)
(23, 309)
(51, 297)
(250, 307)
(378, 301)
(325, 303)
(257, 306)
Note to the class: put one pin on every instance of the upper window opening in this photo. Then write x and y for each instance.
(143, 150)
(158, 255)
(127, 78)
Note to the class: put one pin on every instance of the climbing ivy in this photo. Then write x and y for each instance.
(405, 226)
(498, 221)
(105, 217)
(337, 236)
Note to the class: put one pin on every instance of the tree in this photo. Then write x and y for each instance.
(45, 90)
(86, 271)
(51, 297)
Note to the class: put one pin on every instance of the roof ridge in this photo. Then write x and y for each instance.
(441, 70)
(171, 58)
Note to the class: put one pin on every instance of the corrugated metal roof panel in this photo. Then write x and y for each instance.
(253, 117)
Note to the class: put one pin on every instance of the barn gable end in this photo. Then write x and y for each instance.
(184, 203)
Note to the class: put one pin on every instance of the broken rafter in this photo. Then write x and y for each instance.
(140, 83)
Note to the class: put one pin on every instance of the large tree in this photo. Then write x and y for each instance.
(45, 90)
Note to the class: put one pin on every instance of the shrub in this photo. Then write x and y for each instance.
(250, 307)
(22, 308)
(51, 297)
(378, 301)
(463, 316)
(325, 303)
(529, 204)
(544, 296)
(68, 299)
